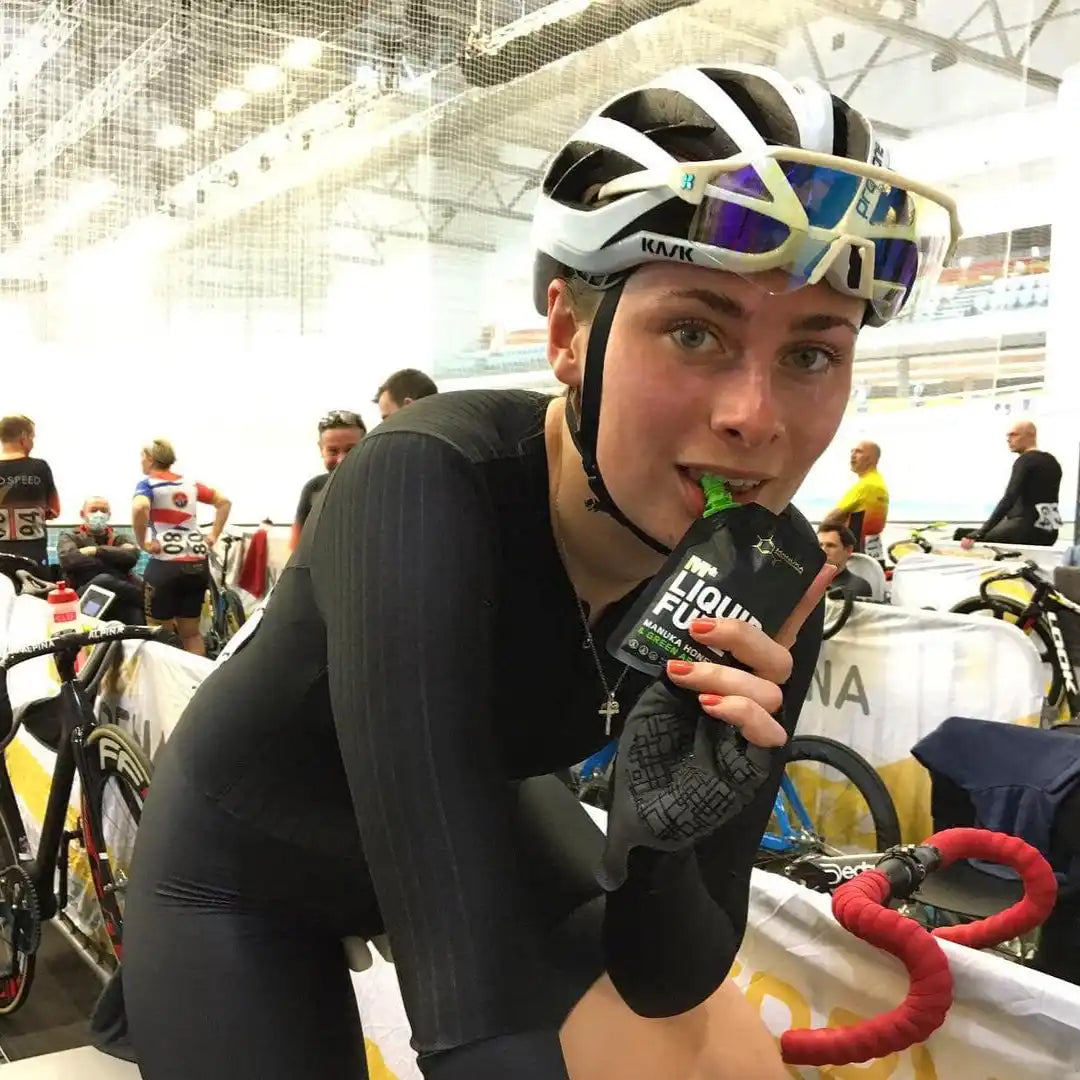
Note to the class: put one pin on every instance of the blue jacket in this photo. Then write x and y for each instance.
(1016, 777)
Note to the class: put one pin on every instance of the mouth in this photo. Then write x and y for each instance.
(745, 487)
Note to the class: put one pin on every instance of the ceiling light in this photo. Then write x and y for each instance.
(301, 53)
(170, 137)
(204, 119)
(230, 99)
(262, 77)
(366, 75)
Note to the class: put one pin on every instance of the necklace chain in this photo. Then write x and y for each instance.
(610, 707)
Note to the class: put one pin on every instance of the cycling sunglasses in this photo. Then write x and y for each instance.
(339, 418)
(874, 233)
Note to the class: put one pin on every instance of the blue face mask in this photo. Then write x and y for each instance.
(98, 520)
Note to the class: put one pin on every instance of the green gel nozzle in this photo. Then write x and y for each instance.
(717, 496)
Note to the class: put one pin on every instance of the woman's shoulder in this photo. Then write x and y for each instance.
(481, 425)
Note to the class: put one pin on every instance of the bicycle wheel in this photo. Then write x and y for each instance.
(233, 612)
(118, 778)
(1001, 607)
(838, 607)
(909, 546)
(20, 927)
(841, 814)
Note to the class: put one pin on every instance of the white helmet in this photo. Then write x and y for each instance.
(796, 189)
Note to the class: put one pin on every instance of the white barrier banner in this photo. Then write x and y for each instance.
(891, 676)
(800, 968)
(942, 581)
(1046, 558)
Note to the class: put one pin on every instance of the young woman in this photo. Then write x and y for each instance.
(177, 576)
(362, 764)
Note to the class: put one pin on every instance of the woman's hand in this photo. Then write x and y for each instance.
(747, 699)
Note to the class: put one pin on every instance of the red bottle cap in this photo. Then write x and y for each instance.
(62, 594)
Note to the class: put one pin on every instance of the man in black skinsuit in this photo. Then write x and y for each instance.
(1028, 511)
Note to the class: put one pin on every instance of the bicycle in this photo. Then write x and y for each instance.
(226, 608)
(791, 830)
(99, 754)
(1038, 619)
(915, 542)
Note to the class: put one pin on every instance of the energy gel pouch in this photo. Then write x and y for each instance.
(679, 774)
(735, 562)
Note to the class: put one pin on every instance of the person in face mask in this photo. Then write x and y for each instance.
(97, 554)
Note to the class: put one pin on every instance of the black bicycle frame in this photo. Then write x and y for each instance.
(77, 719)
(1044, 603)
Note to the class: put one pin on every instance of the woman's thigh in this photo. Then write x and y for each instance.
(227, 972)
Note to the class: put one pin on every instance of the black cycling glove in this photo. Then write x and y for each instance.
(679, 775)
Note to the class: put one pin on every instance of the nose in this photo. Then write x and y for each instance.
(746, 411)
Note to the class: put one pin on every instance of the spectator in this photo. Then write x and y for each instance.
(838, 543)
(177, 575)
(403, 388)
(868, 496)
(1028, 512)
(97, 554)
(28, 495)
(339, 432)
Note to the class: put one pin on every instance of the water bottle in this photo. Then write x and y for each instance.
(63, 610)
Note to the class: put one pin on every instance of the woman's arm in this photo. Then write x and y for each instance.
(403, 565)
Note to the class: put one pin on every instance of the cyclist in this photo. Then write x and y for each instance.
(403, 388)
(339, 431)
(868, 496)
(177, 576)
(28, 495)
(1028, 512)
(354, 767)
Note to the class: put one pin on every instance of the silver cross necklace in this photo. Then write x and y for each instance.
(609, 709)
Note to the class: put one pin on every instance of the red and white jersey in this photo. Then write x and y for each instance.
(174, 522)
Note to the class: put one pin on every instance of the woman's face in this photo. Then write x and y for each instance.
(708, 372)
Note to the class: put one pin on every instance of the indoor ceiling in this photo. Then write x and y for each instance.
(210, 113)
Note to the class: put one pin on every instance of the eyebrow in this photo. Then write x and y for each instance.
(726, 305)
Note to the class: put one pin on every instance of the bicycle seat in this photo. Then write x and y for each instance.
(31, 585)
(11, 565)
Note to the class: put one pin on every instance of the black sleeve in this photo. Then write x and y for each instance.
(1012, 492)
(71, 559)
(673, 930)
(408, 603)
(116, 557)
(47, 477)
(727, 857)
(303, 508)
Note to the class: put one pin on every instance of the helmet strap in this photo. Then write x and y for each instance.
(584, 423)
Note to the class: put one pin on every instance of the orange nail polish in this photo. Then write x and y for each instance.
(710, 699)
(702, 626)
(679, 667)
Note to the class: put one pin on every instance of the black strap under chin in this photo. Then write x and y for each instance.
(585, 424)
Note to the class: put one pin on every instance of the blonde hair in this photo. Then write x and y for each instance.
(583, 298)
(161, 453)
(13, 428)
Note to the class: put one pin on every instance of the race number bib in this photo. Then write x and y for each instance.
(22, 523)
(180, 544)
(1048, 517)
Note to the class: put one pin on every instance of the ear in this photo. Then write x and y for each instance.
(567, 338)
(407, 401)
